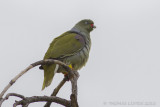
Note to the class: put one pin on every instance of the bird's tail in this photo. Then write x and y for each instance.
(49, 71)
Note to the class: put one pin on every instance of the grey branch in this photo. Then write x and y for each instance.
(11, 94)
(14, 80)
(73, 77)
(27, 100)
(73, 96)
(56, 90)
(41, 62)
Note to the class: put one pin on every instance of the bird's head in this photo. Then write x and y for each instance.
(85, 25)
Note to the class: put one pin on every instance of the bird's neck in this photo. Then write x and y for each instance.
(85, 34)
(80, 31)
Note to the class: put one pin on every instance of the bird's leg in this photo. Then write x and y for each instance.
(66, 74)
(70, 66)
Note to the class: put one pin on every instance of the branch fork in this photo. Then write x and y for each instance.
(25, 101)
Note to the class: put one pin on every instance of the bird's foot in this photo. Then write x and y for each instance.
(66, 76)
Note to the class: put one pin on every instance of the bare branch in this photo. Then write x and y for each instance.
(74, 102)
(72, 75)
(56, 90)
(14, 80)
(27, 100)
(41, 62)
(73, 96)
(11, 94)
(74, 82)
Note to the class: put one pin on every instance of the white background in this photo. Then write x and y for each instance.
(124, 63)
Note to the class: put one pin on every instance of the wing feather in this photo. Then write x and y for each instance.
(65, 45)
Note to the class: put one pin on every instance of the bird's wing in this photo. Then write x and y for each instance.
(65, 45)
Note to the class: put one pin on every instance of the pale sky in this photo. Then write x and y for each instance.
(124, 63)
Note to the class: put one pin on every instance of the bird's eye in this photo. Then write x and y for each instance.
(86, 22)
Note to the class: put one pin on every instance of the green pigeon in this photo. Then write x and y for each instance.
(72, 48)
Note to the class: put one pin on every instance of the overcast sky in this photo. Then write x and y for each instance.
(124, 63)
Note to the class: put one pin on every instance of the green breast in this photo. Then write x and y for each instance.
(79, 59)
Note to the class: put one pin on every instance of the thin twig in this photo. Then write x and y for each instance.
(11, 94)
(41, 62)
(74, 82)
(56, 90)
(14, 80)
(73, 77)
(73, 96)
(29, 100)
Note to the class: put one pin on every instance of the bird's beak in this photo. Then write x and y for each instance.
(94, 26)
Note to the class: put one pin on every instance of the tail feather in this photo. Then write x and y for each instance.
(49, 71)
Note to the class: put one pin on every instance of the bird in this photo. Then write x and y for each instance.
(72, 48)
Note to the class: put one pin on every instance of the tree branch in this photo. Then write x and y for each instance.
(41, 62)
(56, 90)
(72, 75)
(14, 80)
(73, 96)
(11, 94)
(27, 100)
